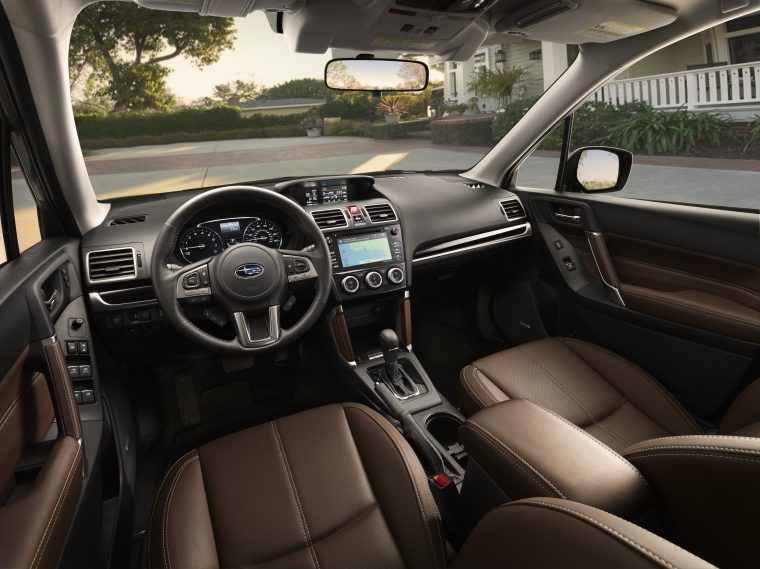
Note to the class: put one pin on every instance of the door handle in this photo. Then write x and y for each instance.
(566, 217)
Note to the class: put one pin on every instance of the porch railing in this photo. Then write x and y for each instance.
(727, 85)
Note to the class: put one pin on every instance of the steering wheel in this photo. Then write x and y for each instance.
(247, 280)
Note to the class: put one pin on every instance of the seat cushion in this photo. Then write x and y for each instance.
(336, 486)
(606, 395)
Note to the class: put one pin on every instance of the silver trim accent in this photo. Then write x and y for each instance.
(343, 285)
(373, 287)
(392, 281)
(110, 279)
(99, 304)
(243, 331)
(601, 276)
(526, 232)
(566, 217)
(382, 222)
(342, 211)
(514, 199)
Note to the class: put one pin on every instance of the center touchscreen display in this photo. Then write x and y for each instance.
(364, 249)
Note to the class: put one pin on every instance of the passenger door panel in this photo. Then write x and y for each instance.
(674, 288)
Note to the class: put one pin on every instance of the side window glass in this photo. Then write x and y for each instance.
(24, 208)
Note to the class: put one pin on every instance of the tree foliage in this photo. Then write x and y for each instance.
(306, 87)
(497, 84)
(121, 47)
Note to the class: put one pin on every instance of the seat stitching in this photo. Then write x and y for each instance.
(42, 546)
(350, 523)
(601, 524)
(570, 394)
(436, 514)
(523, 464)
(704, 455)
(14, 404)
(698, 447)
(291, 479)
(165, 516)
(470, 390)
(732, 319)
(656, 384)
(479, 376)
(594, 439)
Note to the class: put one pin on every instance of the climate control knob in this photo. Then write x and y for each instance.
(350, 284)
(395, 275)
(373, 279)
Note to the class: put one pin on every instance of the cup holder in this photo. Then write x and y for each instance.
(445, 429)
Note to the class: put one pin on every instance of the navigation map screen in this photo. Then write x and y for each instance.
(364, 249)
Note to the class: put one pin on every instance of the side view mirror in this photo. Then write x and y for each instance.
(376, 75)
(595, 169)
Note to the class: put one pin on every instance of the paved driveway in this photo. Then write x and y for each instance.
(154, 169)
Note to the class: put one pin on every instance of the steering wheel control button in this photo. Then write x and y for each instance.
(350, 284)
(192, 280)
(373, 279)
(302, 265)
(203, 273)
(395, 275)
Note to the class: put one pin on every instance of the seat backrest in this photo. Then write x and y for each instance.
(551, 532)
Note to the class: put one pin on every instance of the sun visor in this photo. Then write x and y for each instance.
(585, 21)
(222, 8)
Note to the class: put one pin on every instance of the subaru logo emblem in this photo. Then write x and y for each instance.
(249, 270)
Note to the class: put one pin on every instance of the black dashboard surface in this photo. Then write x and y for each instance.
(432, 208)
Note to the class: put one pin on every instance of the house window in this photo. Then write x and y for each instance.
(501, 57)
(744, 49)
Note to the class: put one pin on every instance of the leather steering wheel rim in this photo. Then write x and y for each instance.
(165, 276)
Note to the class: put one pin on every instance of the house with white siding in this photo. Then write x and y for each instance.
(715, 70)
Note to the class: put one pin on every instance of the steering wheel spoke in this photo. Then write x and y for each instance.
(258, 331)
(300, 266)
(194, 281)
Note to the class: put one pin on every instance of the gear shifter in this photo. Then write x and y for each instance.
(389, 344)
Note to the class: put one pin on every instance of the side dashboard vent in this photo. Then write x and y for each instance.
(329, 218)
(128, 219)
(512, 210)
(112, 264)
(380, 213)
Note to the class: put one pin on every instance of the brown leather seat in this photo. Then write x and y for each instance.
(338, 487)
(606, 395)
(698, 480)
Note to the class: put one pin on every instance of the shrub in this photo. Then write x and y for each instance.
(753, 133)
(391, 131)
(349, 106)
(462, 131)
(348, 128)
(391, 106)
(508, 117)
(653, 131)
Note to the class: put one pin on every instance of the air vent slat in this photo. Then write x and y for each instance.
(512, 209)
(379, 213)
(329, 218)
(128, 219)
(111, 264)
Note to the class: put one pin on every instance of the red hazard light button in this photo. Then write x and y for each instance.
(354, 210)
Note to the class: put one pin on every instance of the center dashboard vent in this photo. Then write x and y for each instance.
(128, 219)
(380, 213)
(112, 264)
(329, 218)
(512, 209)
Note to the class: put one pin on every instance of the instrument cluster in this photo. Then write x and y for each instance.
(209, 238)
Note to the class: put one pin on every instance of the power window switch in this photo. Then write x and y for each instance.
(73, 372)
(78, 397)
(569, 265)
(88, 396)
(558, 244)
(83, 348)
(85, 371)
(71, 348)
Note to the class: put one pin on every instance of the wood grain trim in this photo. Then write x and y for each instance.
(603, 260)
(342, 338)
(405, 320)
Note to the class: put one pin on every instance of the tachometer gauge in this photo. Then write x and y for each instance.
(200, 243)
(263, 232)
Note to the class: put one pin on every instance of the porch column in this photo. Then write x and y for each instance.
(554, 61)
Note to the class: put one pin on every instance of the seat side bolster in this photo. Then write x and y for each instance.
(181, 533)
(706, 477)
(530, 451)
(551, 532)
(744, 411)
(476, 391)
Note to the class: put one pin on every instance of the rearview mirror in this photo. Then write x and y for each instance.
(376, 75)
(597, 169)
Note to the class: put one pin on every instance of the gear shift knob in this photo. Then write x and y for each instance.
(389, 344)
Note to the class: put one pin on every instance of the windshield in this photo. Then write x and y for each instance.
(166, 101)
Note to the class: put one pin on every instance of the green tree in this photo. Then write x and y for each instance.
(121, 46)
(497, 84)
(297, 88)
(238, 89)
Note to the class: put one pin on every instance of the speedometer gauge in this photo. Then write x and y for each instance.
(200, 243)
(263, 232)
